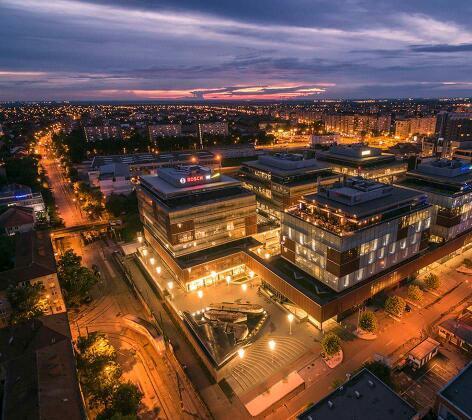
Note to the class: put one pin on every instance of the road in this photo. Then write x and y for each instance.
(69, 211)
(166, 395)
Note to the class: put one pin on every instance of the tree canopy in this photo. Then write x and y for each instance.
(26, 302)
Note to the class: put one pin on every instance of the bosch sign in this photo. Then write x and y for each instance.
(191, 179)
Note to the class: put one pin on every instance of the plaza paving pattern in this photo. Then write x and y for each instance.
(259, 362)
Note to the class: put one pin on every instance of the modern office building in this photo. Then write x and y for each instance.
(197, 220)
(349, 232)
(164, 130)
(408, 127)
(453, 402)
(448, 185)
(364, 396)
(102, 132)
(455, 131)
(361, 160)
(280, 180)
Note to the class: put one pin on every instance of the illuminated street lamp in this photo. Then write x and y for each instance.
(290, 320)
(241, 353)
(145, 252)
(244, 287)
(200, 296)
(158, 270)
(251, 274)
(228, 280)
(170, 286)
(140, 239)
(272, 348)
(152, 260)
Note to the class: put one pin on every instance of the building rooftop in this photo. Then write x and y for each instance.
(357, 155)
(40, 374)
(16, 216)
(355, 204)
(112, 170)
(441, 176)
(34, 257)
(458, 391)
(365, 397)
(287, 164)
(461, 327)
(191, 185)
(151, 158)
(424, 348)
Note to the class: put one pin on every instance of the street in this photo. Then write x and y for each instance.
(68, 209)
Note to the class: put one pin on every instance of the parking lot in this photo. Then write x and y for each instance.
(420, 387)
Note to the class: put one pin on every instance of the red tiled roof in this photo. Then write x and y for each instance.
(17, 216)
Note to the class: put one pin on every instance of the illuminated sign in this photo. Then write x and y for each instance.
(365, 152)
(196, 178)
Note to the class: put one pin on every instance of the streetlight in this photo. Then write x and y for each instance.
(152, 260)
(241, 353)
(213, 276)
(272, 348)
(158, 270)
(251, 274)
(140, 239)
(244, 287)
(145, 252)
(200, 296)
(170, 286)
(228, 280)
(290, 320)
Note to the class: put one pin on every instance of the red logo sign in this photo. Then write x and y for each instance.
(195, 178)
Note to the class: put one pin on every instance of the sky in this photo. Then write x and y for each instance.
(234, 50)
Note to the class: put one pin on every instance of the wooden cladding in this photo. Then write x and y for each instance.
(342, 263)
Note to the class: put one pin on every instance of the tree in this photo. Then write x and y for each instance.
(98, 370)
(125, 402)
(415, 293)
(76, 280)
(331, 344)
(432, 282)
(368, 322)
(395, 305)
(26, 302)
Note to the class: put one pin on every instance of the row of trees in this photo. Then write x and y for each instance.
(90, 199)
(100, 376)
(76, 280)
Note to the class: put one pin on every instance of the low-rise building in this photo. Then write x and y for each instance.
(349, 232)
(453, 402)
(457, 331)
(38, 371)
(22, 195)
(34, 263)
(113, 178)
(193, 215)
(423, 353)
(324, 139)
(17, 220)
(448, 185)
(148, 163)
(361, 160)
(364, 396)
(280, 180)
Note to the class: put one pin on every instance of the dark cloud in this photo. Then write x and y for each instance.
(66, 49)
(442, 48)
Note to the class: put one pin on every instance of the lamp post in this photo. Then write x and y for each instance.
(244, 287)
(290, 320)
(241, 353)
(200, 296)
(272, 348)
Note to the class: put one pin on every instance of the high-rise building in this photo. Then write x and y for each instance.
(347, 233)
(448, 185)
(405, 128)
(456, 129)
(102, 132)
(164, 130)
(213, 128)
(189, 209)
(357, 123)
(361, 160)
(280, 180)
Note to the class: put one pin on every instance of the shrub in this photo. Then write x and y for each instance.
(395, 305)
(331, 344)
(432, 282)
(368, 322)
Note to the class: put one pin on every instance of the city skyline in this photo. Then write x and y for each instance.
(102, 50)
